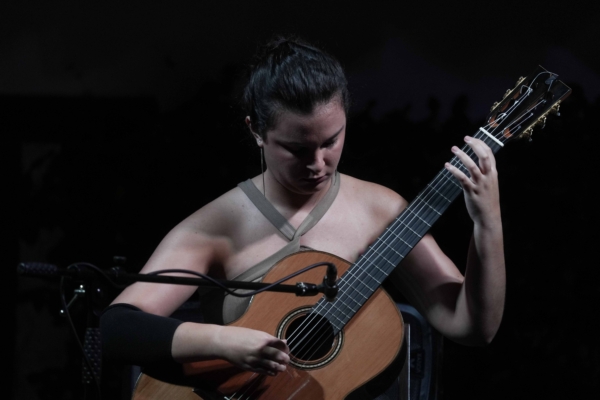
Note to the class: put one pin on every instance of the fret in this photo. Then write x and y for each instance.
(338, 326)
(428, 205)
(364, 271)
(360, 293)
(385, 259)
(409, 228)
(372, 262)
(438, 192)
(418, 216)
(343, 313)
(391, 248)
(399, 238)
(356, 302)
(452, 180)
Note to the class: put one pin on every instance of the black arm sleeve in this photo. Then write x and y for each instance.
(132, 336)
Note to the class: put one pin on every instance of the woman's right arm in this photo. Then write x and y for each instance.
(151, 333)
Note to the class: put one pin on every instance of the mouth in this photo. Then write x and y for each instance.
(316, 180)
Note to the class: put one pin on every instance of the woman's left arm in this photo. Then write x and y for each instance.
(467, 309)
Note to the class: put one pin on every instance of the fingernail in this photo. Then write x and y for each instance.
(447, 165)
(454, 149)
(467, 139)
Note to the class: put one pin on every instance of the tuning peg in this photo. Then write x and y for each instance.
(554, 110)
(494, 105)
(506, 94)
(521, 79)
(541, 122)
(527, 133)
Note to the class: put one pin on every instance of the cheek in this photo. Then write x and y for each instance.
(281, 162)
(336, 153)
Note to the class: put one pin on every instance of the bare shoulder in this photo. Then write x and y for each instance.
(373, 199)
(219, 217)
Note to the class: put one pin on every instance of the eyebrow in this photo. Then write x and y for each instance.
(332, 137)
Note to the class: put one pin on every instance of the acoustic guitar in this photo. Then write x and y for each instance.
(338, 346)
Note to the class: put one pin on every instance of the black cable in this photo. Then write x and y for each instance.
(232, 292)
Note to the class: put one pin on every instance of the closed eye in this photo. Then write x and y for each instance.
(296, 150)
(330, 143)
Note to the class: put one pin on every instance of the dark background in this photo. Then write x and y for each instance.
(120, 119)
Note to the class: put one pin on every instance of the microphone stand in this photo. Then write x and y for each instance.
(89, 275)
(117, 277)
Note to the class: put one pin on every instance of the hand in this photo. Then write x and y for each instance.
(254, 350)
(481, 188)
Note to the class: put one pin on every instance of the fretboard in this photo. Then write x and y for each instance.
(365, 276)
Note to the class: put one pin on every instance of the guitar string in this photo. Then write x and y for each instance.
(488, 125)
(426, 202)
(499, 122)
(351, 298)
(525, 117)
(455, 162)
(254, 382)
(247, 386)
(367, 275)
(376, 276)
(377, 279)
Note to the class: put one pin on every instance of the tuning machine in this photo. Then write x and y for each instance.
(542, 121)
(520, 80)
(527, 134)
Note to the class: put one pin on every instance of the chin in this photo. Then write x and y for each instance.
(308, 187)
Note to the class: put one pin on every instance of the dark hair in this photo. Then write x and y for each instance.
(291, 75)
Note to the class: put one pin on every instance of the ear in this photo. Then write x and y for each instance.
(259, 140)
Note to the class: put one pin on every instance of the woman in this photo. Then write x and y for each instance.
(296, 102)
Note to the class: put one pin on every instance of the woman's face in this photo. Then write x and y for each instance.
(302, 151)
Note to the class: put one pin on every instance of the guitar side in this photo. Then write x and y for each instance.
(368, 344)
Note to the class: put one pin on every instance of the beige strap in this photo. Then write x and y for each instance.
(279, 221)
(267, 209)
(234, 307)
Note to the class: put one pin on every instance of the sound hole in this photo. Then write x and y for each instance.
(310, 337)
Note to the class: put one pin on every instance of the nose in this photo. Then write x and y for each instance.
(317, 163)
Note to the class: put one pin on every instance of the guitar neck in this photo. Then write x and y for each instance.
(365, 276)
(526, 105)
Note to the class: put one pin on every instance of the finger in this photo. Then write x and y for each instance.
(262, 365)
(271, 367)
(466, 164)
(463, 179)
(487, 162)
(280, 345)
(276, 355)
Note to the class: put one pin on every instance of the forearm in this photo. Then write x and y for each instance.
(132, 336)
(481, 300)
(194, 342)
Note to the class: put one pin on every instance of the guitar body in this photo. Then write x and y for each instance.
(368, 345)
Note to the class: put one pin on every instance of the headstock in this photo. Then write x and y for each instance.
(526, 105)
